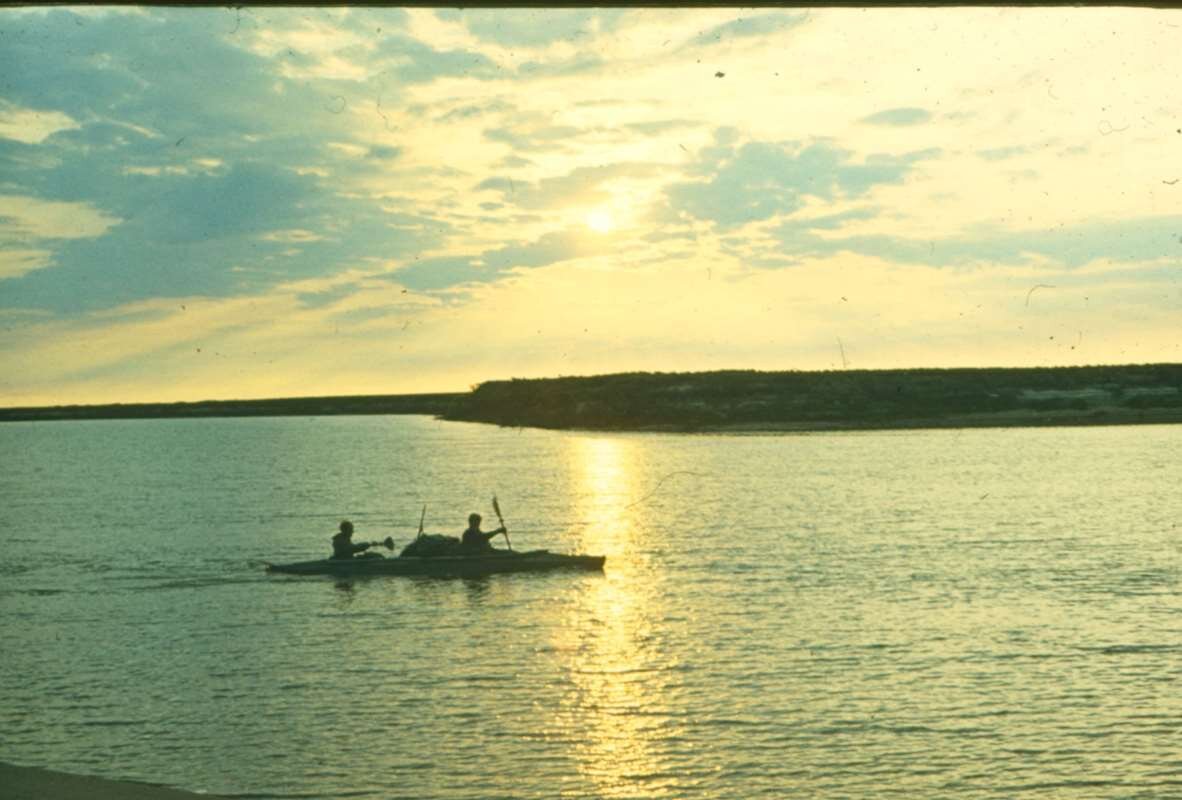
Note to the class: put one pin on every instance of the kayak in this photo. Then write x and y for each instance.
(450, 566)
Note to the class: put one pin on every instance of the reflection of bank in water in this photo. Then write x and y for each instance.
(618, 710)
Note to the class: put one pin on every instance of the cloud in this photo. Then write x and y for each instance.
(535, 27)
(470, 111)
(218, 235)
(295, 235)
(25, 218)
(898, 117)
(557, 68)
(30, 125)
(551, 248)
(538, 135)
(583, 186)
(408, 61)
(759, 180)
(15, 262)
(1143, 239)
(747, 27)
(513, 161)
(654, 127)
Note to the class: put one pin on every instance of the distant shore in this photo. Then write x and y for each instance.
(737, 401)
(742, 401)
(434, 404)
(32, 783)
(1047, 420)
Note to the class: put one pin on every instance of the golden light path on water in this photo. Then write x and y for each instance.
(616, 709)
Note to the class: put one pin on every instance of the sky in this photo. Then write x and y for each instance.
(221, 203)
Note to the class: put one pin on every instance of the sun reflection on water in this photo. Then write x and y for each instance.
(617, 708)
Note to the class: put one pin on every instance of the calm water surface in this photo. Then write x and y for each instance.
(969, 614)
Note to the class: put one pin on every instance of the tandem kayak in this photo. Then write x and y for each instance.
(449, 566)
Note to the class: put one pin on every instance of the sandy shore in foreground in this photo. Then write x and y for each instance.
(30, 783)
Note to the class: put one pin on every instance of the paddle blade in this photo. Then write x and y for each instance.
(497, 508)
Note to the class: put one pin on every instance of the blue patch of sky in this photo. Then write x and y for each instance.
(440, 273)
(1000, 153)
(181, 78)
(899, 117)
(384, 152)
(183, 233)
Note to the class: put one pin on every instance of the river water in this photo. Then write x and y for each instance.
(921, 614)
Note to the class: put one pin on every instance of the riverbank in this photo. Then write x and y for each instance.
(32, 783)
(736, 401)
(751, 401)
(433, 404)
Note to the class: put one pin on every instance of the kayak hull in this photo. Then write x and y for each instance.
(449, 566)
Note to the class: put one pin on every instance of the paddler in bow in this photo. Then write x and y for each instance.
(476, 540)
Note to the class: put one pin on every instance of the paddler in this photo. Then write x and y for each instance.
(342, 543)
(476, 540)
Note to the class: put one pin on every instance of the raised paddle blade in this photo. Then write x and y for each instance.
(497, 508)
(388, 542)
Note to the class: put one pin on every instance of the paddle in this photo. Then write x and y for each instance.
(497, 508)
(388, 543)
(421, 518)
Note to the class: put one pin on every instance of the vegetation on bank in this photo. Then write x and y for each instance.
(435, 404)
(753, 400)
(742, 400)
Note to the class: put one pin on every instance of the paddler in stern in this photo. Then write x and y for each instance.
(343, 545)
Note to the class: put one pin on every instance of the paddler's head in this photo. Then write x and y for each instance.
(473, 521)
(347, 528)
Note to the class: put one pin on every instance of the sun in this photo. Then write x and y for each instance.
(600, 221)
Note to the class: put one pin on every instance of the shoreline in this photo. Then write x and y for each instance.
(947, 423)
(35, 783)
(1020, 419)
(738, 401)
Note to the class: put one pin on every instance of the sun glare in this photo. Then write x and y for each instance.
(600, 221)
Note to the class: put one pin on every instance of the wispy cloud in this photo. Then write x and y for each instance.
(1143, 239)
(899, 117)
(753, 181)
(748, 27)
(535, 28)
